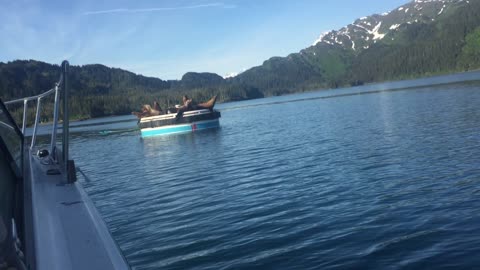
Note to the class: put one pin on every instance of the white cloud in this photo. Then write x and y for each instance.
(161, 9)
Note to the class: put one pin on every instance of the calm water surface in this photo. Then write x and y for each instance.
(376, 181)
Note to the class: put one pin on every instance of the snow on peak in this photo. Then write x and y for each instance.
(230, 75)
(320, 39)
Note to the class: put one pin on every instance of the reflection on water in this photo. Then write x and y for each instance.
(165, 146)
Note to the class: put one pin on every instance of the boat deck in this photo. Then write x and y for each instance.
(68, 231)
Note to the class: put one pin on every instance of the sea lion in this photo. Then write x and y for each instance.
(148, 111)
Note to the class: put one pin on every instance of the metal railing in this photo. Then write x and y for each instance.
(60, 87)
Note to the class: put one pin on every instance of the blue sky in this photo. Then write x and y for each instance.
(167, 38)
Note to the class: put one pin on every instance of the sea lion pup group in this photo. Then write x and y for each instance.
(188, 105)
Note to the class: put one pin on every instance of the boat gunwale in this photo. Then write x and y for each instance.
(186, 125)
(173, 115)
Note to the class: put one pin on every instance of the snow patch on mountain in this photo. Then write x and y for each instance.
(375, 32)
(233, 74)
(395, 26)
(230, 75)
(443, 7)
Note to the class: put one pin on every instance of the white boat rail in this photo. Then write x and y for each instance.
(60, 87)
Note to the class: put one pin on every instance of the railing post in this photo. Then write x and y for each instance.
(68, 165)
(24, 123)
(65, 123)
(37, 119)
(53, 143)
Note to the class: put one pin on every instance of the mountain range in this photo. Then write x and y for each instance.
(417, 39)
(364, 32)
(420, 38)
